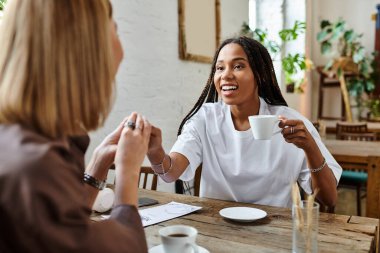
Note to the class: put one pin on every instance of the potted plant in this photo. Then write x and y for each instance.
(292, 64)
(347, 55)
(2, 4)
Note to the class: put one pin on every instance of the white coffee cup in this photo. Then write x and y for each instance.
(104, 200)
(262, 126)
(179, 238)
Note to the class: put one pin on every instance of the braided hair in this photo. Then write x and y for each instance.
(263, 71)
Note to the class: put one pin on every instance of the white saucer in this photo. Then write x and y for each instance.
(242, 214)
(160, 249)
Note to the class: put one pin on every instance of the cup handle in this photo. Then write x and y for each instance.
(194, 246)
(279, 130)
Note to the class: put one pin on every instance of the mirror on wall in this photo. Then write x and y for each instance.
(199, 29)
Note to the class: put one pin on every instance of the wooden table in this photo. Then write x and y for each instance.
(337, 233)
(364, 155)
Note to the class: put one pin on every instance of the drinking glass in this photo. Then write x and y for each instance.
(305, 227)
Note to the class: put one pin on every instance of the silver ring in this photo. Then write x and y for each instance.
(131, 125)
(292, 130)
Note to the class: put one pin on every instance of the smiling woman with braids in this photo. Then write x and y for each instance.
(216, 133)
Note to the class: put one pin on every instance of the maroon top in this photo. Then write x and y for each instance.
(42, 205)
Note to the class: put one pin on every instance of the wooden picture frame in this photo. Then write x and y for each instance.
(199, 29)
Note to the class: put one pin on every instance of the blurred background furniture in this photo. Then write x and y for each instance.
(360, 156)
(326, 82)
(147, 175)
(147, 179)
(343, 127)
(353, 176)
(331, 126)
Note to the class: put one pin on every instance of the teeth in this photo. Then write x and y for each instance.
(226, 88)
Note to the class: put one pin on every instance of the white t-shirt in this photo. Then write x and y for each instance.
(237, 167)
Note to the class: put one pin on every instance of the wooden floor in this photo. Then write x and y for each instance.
(347, 202)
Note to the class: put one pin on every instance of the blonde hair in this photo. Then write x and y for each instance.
(56, 65)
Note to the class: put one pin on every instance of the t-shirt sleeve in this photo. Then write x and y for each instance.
(304, 178)
(189, 144)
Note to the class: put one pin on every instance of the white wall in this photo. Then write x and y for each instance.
(357, 14)
(152, 79)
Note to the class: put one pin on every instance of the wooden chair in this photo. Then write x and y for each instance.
(358, 136)
(187, 188)
(354, 176)
(145, 173)
(350, 128)
(197, 180)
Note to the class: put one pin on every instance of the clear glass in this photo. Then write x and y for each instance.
(305, 227)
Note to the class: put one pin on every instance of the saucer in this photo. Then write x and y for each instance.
(160, 249)
(242, 214)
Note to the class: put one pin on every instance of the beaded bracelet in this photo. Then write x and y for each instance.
(94, 182)
(161, 167)
(320, 167)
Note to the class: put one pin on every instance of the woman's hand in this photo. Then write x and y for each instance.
(133, 142)
(295, 131)
(104, 154)
(155, 142)
(130, 153)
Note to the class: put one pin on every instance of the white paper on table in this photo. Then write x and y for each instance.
(157, 214)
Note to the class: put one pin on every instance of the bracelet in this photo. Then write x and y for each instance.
(161, 167)
(94, 182)
(320, 167)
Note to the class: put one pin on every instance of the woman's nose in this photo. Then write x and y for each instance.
(227, 74)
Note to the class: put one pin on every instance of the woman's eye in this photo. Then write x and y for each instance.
(219, 68)
(238, 66)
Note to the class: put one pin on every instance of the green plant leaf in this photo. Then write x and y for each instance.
(359, 54)
(349, 35)
(370, 86)
(325, 23)
(329, 65)
(326, 47)
(299, 26)
(322, 35)
(273, 47)
(339, 72)
(2, 3)
(260, 35)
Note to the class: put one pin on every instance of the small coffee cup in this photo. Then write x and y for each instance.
(179, 238)
(262, 126)
(104, 200)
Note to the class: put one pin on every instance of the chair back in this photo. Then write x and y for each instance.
(146, 178)
(145, 174)
(358, 136)
(197, 180)
(350, 128)
(316, 125)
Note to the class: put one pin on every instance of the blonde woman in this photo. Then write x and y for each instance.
(57, 67)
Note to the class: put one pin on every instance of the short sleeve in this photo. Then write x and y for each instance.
(189, 144)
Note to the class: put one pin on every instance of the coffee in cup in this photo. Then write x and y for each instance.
(262, 126)
(179, 238)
